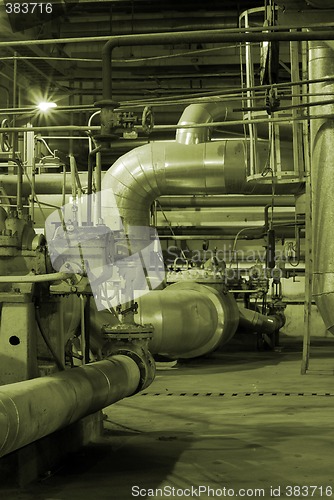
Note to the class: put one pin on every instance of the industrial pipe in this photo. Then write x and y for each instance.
(189, 319)
(260, 323)
(137, 178)
(237, 200)
(35, 278)
(106, 38)
(34, 408)
(201, 36)
(205, 112)
(321, 62)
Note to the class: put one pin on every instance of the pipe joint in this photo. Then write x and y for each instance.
(131, 340)
(109, 121)
(144, 360)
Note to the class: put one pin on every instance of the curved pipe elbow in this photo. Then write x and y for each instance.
(260, 323)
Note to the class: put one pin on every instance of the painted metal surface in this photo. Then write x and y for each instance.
(32, 409)
(189, 319)
(321, 62)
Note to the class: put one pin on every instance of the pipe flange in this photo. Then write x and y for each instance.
(127, 331)
(144, 361)
(107, 103)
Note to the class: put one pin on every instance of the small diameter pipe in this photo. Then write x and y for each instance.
(19, 200)
(34, 408)
(35, 278)
(98, 175)
(105, 38)
(201, 36)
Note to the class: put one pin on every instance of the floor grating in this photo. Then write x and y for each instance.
(237, 394)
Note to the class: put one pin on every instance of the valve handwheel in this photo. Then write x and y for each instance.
(147, 119)
(5, 144)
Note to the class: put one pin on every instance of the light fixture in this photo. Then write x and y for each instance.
(46, 106)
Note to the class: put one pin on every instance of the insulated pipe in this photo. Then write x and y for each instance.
(137, 178)
(44, 184)
(201, 113)
(34, 408)
(321, 62)
(260, 323)
(189, 319)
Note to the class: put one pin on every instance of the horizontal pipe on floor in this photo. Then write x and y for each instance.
(189, 319)
(260, 323)
(34, 408)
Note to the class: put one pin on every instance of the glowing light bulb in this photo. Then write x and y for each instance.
(45, 106)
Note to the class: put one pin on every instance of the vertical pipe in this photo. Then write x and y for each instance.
(86, 352)
(321, 63)
(98, 172)
(19, 200)
(308, 224)
(82, 329)
(64, 186)
(33, 188)
(14, 102)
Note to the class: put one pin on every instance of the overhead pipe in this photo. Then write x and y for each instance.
(321, 62)
(34, 408)
(237, 200)
(256, 30)
(53, 183)
(201, 36)
(139, 177)
(205, 112)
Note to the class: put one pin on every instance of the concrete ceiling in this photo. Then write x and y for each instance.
(139, 72)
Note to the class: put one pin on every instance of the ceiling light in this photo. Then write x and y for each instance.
(45, 106)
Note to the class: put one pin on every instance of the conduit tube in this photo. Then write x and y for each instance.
(189, 319)
(35, 408)
(321, 62)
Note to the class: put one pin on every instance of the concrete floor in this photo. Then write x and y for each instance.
(240, 420)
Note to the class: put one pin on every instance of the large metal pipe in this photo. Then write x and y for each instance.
(189, 319)
(139, 177)
(35, 408)
(321, 62)
(260, 323)
(206, 112)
